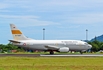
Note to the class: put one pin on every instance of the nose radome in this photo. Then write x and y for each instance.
(90, 46)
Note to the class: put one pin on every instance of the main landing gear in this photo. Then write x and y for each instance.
(81, 52)
(51, 52)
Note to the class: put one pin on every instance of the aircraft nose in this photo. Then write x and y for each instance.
(90, 46)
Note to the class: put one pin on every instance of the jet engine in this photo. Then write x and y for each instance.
(64, 49)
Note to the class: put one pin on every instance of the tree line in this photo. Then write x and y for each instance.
(96, 46)
(9, 48)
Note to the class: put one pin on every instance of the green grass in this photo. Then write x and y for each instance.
(51, 63)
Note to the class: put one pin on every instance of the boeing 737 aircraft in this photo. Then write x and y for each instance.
(47, 45)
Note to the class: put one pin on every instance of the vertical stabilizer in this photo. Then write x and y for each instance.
(17, 34)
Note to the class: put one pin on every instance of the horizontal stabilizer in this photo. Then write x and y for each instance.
(14, 41)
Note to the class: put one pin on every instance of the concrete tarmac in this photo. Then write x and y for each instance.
(20, 55)
(55, 55)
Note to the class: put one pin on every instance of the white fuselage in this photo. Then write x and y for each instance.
(73, 45)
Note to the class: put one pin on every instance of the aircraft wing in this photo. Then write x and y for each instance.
(52, 47)
(14, 41)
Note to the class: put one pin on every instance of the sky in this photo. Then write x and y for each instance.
(62, 19)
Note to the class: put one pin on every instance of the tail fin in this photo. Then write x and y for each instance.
(17, 34)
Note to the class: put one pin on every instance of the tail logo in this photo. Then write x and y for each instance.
(16, 32)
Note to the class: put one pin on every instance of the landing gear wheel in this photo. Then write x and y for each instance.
(51, 52)
(81, 52)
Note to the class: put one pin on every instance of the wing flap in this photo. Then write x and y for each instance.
(50, 47)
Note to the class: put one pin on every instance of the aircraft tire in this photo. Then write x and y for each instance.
(81, 52)
(51, 52)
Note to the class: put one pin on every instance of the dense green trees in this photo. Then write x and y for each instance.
(96, 46)
(9, 48)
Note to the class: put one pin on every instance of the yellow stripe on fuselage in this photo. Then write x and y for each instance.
(16, 32)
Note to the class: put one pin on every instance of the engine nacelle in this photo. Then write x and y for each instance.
(64, 49)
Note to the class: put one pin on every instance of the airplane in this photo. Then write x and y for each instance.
(19, 39)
